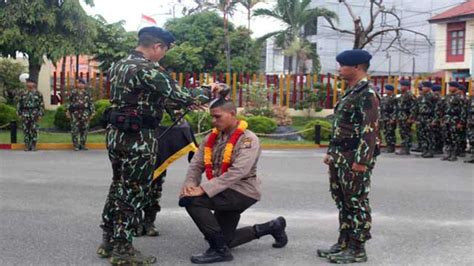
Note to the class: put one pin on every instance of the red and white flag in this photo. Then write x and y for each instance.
(148, 20)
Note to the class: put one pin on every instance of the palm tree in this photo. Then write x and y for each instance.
(249, 5)
(227, 7)
(294, 14)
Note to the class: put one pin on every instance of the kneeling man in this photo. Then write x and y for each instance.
(228, 156)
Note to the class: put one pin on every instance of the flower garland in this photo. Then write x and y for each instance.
(229, 147)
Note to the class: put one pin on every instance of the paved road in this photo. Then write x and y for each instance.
(51, 201)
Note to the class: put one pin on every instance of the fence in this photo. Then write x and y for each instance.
(283, 90)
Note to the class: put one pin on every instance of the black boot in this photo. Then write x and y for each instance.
(33, 146)
(390, 149)
(217, 252)
(427, 154)
(105, 248)
(404, 151)
(276, 228)
(452, 157)
(470, 160)
(336, 248)
(126, 254)
(355, 252)
(417, 149)
(149, 222)
(446, 157)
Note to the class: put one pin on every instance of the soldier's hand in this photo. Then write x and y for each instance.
(360, 168)
(327, 159)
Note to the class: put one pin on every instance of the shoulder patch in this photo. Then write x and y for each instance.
(246, 142)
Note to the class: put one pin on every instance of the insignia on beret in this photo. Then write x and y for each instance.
(160, 33)
(389, 87)
(454, 84)
(353, 57)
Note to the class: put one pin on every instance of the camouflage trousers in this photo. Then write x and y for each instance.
(350, 191)
(389, 133)
(79, 129)
(470, 137)
(426, 137)
(154, 196)
(438, 138)
(405, 134)
(454, 137)
(127, 197)
(30, 130)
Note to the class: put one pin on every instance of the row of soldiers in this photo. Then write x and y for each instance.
(80, 109)
(441, 122)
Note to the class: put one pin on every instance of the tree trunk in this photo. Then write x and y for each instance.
(77, 66)
(34, 68)
(226, 42)
(62, 79)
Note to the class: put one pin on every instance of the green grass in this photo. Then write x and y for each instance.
(47, 121)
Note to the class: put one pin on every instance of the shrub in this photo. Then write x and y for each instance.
(200, 121)
(261, 124)
(7, 114)
(99, 106)
(60, 119)
(326, 128)
(281, 115)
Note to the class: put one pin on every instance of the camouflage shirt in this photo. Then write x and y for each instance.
(425, 107)
(406, 105)
(388, 108)
(140, 86)
(455, 109)
(80, 101)
(30, 104)
(356, 116)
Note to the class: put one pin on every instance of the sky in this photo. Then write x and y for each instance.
(131, 11)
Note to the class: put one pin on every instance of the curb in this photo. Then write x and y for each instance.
(101, 146)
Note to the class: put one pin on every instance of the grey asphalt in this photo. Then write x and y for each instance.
(50, 205)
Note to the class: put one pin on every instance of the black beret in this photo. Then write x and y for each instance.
(31, 80)
(404, 82)
(427, 84)
(159, 33)
(353, 57)
(462, 87)
(389, 87)
(81, 80)
(454, 84)
(436, 87)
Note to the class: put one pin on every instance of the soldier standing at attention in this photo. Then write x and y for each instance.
(453, 121)
(388, 111)
(405, 108)
(425, 112)
(436, 125)
(80, 111)
(351, 157)
(470, 129)
(462, 134)
(228, 156)
(138, 83)
(30, 109)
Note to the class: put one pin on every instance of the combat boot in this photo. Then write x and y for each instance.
(76, 148)
(417, 149)
(276, 228)
(470, 160)
(149, 228)
(447, 156)
(452, 157)
(105, 248)
(218, 251)
(33, 146)
(124, 253)
(404, 151)
(390, 149)
(336, 248)
(427, 154)
(84, 148)
(27, 147)
(355, 252)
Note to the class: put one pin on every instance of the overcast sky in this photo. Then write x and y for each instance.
(131, 11)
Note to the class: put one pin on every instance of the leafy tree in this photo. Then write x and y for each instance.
(294, 14)
(205, 30)
(44, 28)
(184, 58)
(113, 42)
(9, 81)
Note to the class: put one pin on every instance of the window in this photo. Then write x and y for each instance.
(455, 42)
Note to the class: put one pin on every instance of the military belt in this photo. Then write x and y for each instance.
(131, 122)
(345, 144)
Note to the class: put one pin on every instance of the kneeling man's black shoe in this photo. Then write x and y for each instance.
(276, 228)
(213, 255)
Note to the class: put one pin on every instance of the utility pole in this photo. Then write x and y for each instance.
(413, 67)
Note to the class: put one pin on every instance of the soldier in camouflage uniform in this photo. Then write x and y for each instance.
(80, 111)
(424, 114)
(138, 86)
(453, 121)
(405, 107)
(388, 121)
(463, 133)
(436, 125)
(30, 109)
(470, 129)
(351, 157)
